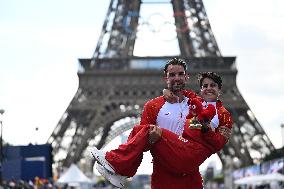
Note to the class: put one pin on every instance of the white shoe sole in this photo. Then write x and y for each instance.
(100, 158)
(114, 179)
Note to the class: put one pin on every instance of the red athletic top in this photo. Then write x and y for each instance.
(213, 140)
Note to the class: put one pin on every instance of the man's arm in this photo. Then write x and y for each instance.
(217, 140)
(225, 132)
(220, 137)
(148, 114)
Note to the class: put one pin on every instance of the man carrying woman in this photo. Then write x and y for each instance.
(177, 149)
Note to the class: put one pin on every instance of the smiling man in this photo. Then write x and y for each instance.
(157, 111)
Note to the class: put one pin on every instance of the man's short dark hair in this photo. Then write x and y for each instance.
(175, 61)
(211, 75)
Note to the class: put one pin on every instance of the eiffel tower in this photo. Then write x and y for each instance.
(114, 83)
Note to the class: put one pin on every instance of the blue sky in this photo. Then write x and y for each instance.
(41, 41)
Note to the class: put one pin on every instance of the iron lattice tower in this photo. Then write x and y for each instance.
(114, 84)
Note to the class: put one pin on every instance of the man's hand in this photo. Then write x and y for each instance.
(225, 131)
(155, 134)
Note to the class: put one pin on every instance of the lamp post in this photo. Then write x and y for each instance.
(36, 135)
(1, 145)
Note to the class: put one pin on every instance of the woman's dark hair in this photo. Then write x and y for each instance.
(211, 75)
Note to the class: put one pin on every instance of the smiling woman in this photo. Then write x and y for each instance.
(210, 86)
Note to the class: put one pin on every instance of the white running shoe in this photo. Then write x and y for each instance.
(100, 155)
(114, 179)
